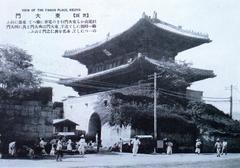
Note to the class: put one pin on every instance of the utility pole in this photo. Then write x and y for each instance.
(155, 111)
(154, 77)
(231, 100)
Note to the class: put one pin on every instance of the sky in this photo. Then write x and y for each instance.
(218, 18)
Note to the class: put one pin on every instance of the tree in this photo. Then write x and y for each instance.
(16, 71)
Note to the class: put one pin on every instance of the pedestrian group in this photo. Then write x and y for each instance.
(57, 147)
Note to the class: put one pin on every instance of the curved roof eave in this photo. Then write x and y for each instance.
(197, 74)
(178, 31)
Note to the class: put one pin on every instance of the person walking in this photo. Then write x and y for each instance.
(169, 147)
(198, 146)
(165, 140)
(53, 151)
(224, 147)
(136, 142)
(120, 145)
(42, 145)
(81, 146)
(12, 148)
(218, 146)
(69, 145)
(59, 151)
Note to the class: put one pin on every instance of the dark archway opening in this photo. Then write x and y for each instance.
(94, 128)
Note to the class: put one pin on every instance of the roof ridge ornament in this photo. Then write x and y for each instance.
(154, 15)
(154, 18)
(108, 36)
(144, 16)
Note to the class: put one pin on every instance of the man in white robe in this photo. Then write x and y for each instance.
(81, 146)
(136, 142)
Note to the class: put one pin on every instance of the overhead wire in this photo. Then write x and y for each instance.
(184, 94)
(57, 76)
(107, 85)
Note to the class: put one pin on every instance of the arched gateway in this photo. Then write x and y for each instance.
(94, 128)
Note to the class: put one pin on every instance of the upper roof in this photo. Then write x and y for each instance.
(147, 35)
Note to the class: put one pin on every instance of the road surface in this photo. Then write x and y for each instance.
(126, 160)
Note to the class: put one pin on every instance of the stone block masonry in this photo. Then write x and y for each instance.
(27, 120)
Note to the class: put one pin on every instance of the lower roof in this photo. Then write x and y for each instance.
(137, 70)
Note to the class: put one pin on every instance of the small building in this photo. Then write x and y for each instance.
(64, 126)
